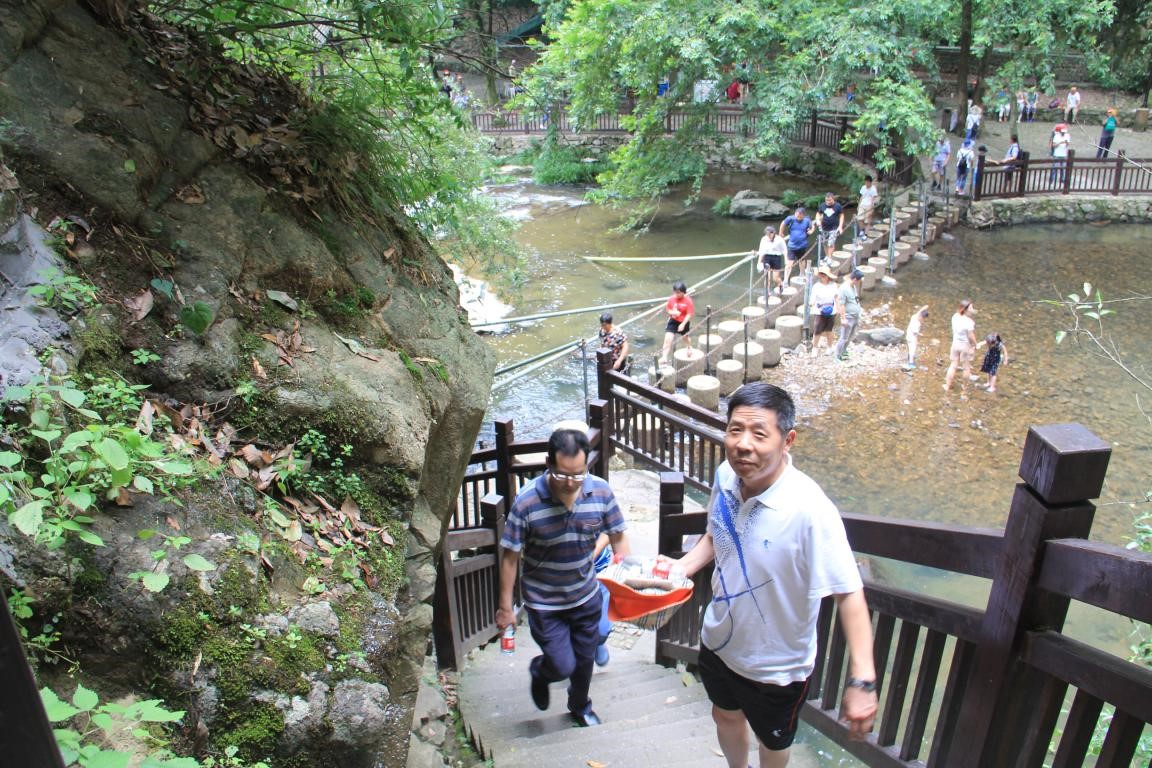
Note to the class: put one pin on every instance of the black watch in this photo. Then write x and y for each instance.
(868, 686)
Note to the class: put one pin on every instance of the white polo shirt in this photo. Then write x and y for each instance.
(777, 556)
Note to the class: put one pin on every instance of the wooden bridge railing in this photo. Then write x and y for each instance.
(824, 130)
(1009, 671)
(960, 686)
(1116, 175)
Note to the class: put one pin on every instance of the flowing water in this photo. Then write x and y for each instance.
(879, 440)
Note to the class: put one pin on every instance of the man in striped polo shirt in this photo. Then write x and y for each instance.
(552, 528)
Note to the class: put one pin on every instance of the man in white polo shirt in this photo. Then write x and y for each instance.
(780, 548)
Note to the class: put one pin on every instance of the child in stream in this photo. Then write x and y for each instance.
(996, 356)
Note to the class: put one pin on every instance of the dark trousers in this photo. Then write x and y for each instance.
(1105, 144)
(568, 640)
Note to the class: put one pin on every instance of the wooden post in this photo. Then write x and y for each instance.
(505, 436)
(603, 367)
(493, 513)
(1022, 167)
(978, 182)
(812, 133)
(1068, 173)
(843, 131)
(1063, 465)
(671, 503)
(26, 738)
(600, 419)
(1120, 160)
(667, 543)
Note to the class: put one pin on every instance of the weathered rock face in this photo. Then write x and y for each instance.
(91, 132)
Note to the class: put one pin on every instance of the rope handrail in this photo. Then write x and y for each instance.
(561, 351)
(705, 257)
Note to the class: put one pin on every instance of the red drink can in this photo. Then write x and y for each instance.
(662, 569)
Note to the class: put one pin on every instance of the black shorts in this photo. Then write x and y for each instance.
(795, 254)
(674, 327)
(772, 261)
(823, 323)
(773, 711)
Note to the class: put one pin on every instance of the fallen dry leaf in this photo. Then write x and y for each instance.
(144, 418)
(191, 195)
(140, 305)
(258, 370)
(123, 498)
(597, 764)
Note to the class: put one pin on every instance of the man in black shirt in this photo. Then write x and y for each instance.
(830, 219)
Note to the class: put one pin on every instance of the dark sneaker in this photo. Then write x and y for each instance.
(585, 719)
(539, 688)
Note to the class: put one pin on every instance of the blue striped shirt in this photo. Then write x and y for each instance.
(555, 545)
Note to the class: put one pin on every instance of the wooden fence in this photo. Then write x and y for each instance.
(1015, 691)
(824, 130)
(960, 686)
(1115, 175)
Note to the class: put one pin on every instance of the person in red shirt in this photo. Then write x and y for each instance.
(680, 309)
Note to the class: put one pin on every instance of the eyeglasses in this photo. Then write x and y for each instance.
(563, 477)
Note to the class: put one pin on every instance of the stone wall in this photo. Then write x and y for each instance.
(1059, 209)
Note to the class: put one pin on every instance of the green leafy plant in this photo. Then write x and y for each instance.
(85, 726)
(723, 206)
(68, 458)
(155, 580)
(41, 645)
(63, 292)
(565, 165)
(144, 356)
(197, 317)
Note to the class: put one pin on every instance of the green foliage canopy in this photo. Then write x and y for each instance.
(796, 55)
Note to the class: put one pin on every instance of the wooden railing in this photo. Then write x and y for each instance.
(824, 130)
(1010, 672)
(1116, 175)
(960, 686)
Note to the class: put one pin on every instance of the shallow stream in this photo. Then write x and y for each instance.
(880, 440)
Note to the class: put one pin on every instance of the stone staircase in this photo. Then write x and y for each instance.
(652, 716)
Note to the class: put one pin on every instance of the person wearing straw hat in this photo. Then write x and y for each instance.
(822, 298)
(552, 527)
(1105, 144)
(779, 547)
(1059, 143)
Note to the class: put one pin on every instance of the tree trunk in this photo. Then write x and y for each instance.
(962, 65)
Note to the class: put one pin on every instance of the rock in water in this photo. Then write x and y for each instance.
(883, 337)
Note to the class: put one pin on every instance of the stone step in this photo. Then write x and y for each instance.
(625, 715)
(495, 719)
(636, 743)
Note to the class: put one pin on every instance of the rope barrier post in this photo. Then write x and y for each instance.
(707, 338)
(892, 239)
(807, 302)
(767, 286)
(751, 278)
(584, 369)
(923, 218)
(947, 197)
(745, 351)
